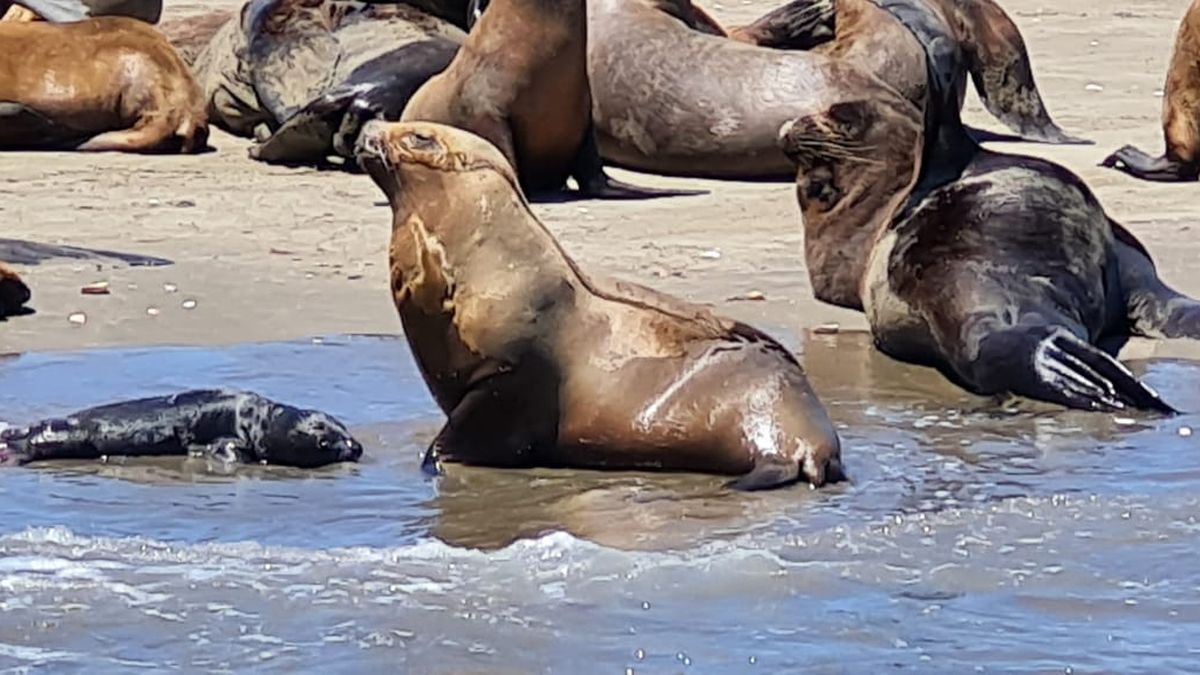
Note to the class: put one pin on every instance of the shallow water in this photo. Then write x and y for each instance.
(973, 537)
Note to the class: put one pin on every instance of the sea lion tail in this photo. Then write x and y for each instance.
(800, 24)
(768, 472)
(1003, 75)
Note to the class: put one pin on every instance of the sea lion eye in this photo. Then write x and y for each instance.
(419, 140)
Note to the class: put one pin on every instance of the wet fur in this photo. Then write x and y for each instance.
(229, 425)
(120, 87)
(537, 364)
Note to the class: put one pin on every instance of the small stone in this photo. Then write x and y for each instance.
(189, 304)
(1092, 86)
(828, 329)
(756, 295)
(78, 318)
(170, 288)
(711, 254)
(1094, 43)
(97, 288)
(1158, 93)
(353, 277)
(1185, 431)
(152, 311)
(639, 654)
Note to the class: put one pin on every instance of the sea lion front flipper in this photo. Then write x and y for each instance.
(307, 135)
(1139, 164)
(800, 24)
(1051, 364)
(588, 172)
(226, 451)
(1000, 68)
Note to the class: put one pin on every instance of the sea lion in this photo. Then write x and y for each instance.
(520, 81)
(189, 35)
(284, 58)
(1180, 114)
(13, 293)
(228, 426)
(718, 117)
(63, 11)
(537, 364)
(106, 84)
(1002, 271)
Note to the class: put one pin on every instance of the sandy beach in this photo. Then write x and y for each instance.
(269, 253)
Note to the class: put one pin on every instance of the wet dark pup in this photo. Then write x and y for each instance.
(227, 426)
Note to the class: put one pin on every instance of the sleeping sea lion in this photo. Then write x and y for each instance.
(1002, 271)
(718, 116)
(107, 84)
(1180, 114)
(228, 426)
(520, 81)
(537, 364)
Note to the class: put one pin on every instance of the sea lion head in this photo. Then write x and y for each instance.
(412, 154)
(307, 438)
(856, 160)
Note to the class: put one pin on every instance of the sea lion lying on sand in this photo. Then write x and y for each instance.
(227, 426)
(1003, 271)
(107, 84)
(537, 364)
(13, 292)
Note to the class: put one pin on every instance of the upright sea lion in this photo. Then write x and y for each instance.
(520, 81)
(1002, 271)
(1180, 114)
(13, 292)
(228, 426)
(718, 116)
(107, 84)
(537, 364)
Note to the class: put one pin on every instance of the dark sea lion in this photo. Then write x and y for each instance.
(1180, 115)
(62, 11)
(107, 84)
(521, 82)
(718, 117)
(191, 34)
(537, 364)
(13, 293)
(227, 426)
(283, 58)
(1002, 271)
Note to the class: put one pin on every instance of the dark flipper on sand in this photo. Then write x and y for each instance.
(1139, 164)
(1051, 364)
(1000, 68)
(768, 473)
(800, 24)
(1155, 309)
(588, 172)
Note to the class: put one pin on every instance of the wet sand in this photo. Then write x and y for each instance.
(271, 253)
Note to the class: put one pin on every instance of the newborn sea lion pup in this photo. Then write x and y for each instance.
(1180, 114)
(107, 84)
(536, 364)
(228, 426)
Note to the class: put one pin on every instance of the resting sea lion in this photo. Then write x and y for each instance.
(13, 292)
(228, 426)
(1003, 271)
(536, 364)
(520, 81)
(1180, 114)
(111, 83)
(718, 116)
(62, 11)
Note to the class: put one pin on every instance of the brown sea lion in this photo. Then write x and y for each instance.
(1002, 271)
(718, 117)
(107, 84)
(1180, 114)
(537, 364)
(520, 81)
(13, 292)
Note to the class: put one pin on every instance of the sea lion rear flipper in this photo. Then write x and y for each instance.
(1139, 164)
(588, 172)
(1051, 364)
(47, 439)
(1154, 308)
(800, 24)
(1003, 76)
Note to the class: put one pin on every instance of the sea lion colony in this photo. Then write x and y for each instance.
(1000, 270)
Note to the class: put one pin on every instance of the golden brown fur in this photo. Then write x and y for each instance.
(111, 83)
(535, 363)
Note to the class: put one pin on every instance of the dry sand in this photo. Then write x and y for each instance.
(270, 253)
